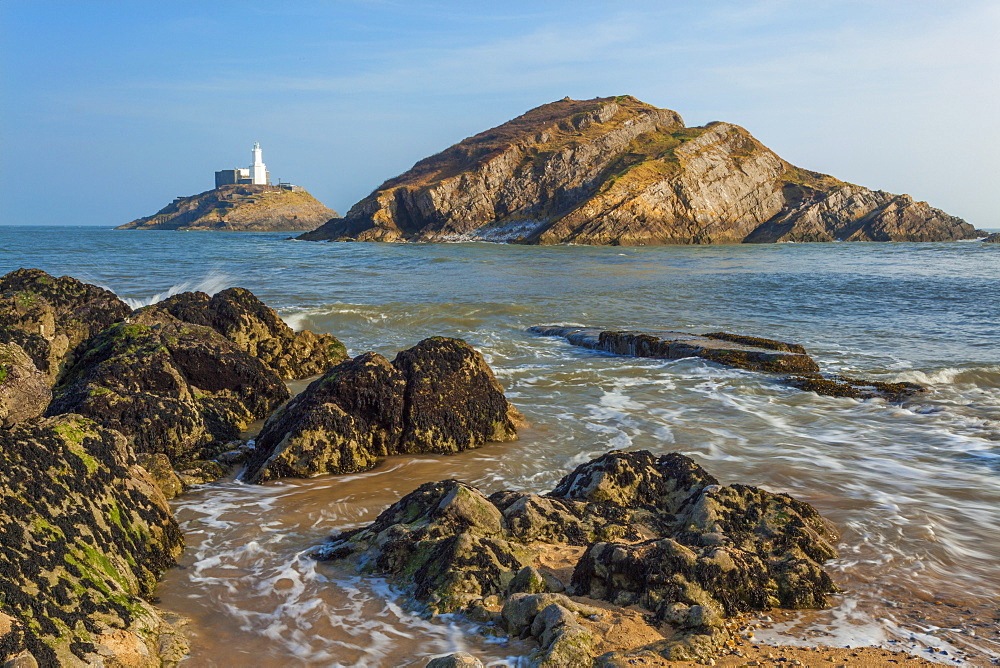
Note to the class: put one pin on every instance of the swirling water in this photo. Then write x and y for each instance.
(913, 488)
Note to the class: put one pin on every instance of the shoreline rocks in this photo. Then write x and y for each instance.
(258, 330)
(24, 390)
(656, 532)
(169, 386)
(439, 396)
(84, 535)
(53, 319)
(734, 350)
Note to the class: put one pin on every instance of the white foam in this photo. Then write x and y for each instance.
(211, 283)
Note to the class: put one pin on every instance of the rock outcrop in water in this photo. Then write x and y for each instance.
(84, 535)
(439, 396)
(51, 318)
(257, 329)
(735, 350)
(239, 208)
(618, 171)
(655, 532)
(171, 387)
(741, 352)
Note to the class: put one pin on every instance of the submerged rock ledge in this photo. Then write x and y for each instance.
(735, 350)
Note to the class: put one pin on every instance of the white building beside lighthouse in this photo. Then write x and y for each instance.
(255, 174)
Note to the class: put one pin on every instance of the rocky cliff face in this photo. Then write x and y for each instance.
(619, 171)
(240, 208)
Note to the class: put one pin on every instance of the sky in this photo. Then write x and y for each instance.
(109, 110)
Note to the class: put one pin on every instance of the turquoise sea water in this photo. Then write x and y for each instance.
(913, 489)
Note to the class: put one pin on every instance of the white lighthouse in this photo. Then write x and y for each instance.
(258, 172)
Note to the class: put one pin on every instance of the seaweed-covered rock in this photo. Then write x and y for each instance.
(456, 660)
(51, 318)
(84, 535)
(445, 539)
(439, 396)
(659, 532)
(452, 400)
(552, 620)
(162, 472)
(858, 388)
(256, 328)
(171, 387)
(24, 390)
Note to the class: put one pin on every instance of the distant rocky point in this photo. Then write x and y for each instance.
(239, 208)
(243, 201)
(618, 171)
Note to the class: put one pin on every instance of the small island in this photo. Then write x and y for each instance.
(617, 171)
(243, 200)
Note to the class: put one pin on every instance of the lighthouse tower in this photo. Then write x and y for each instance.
(258, 172)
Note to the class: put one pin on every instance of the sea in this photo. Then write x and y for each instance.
(914, 489)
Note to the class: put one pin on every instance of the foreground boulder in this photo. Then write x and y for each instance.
(656, 532)
(53, 319)
(734, 350)
(256, 328)
(439, 396)
(24, 390)
(84, 536)
(169, 386)
(618, 171)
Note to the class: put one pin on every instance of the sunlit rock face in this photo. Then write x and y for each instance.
(617, 171)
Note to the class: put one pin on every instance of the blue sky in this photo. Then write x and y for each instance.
(108, 110)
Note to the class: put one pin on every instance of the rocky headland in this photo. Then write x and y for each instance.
(619, 171)
(239, 208)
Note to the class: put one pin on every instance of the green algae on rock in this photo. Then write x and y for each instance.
(618, 171)
(239, 208)
(686, 549)
(256, 328)
(84, 536)
(53, 319)
(438, 396)
(169, 386)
